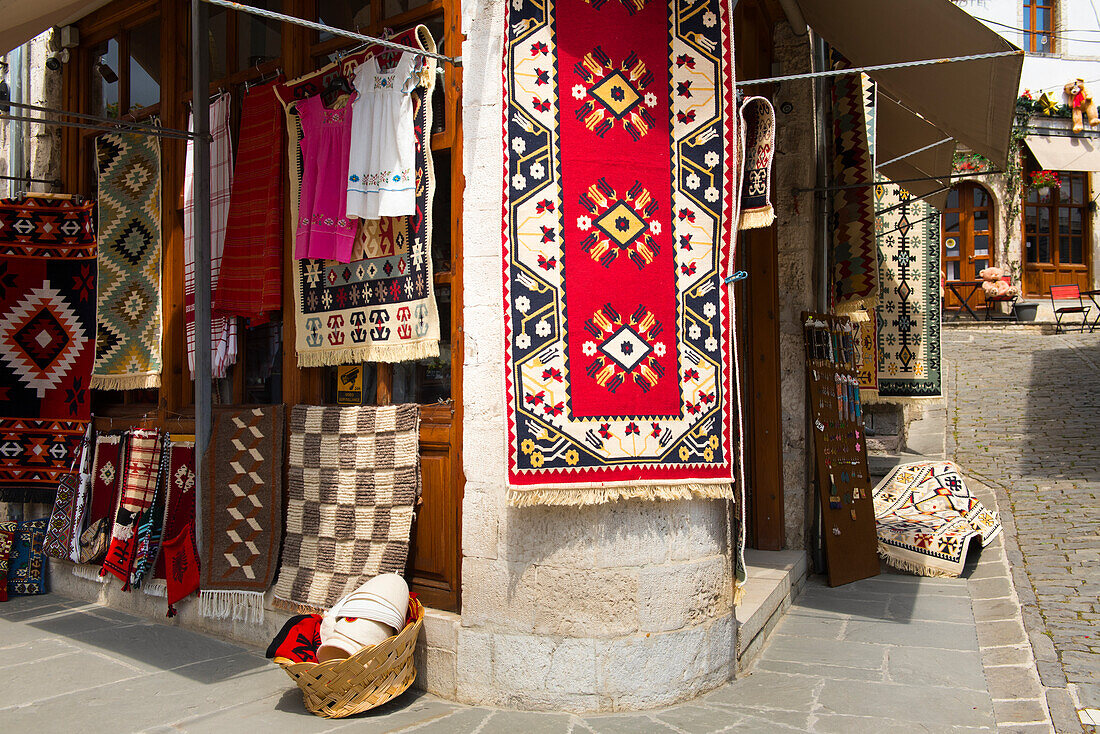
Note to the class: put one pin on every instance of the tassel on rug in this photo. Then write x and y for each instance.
(156, 587)
(240, 606)
(577, 497)
(89, 573)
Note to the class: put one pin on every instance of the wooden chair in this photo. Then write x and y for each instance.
(1067, 293)
(991, 315)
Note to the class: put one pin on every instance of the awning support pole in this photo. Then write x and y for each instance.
(200, 101)
(913, 153)
(877, 67)
(941, 179)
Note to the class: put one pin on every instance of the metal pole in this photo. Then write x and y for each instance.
(200, 105)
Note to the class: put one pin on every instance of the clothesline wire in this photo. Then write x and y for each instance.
(294, 20)
(897, 181)
(83, 116)
(858, 70)
(165, 133)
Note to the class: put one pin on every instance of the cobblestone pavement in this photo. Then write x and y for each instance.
(1024, 418)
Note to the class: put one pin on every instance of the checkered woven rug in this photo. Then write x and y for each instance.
(354, 476)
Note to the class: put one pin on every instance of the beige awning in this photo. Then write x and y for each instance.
(899, 132)
(22, 20)
(972, 101)
(1065, 153)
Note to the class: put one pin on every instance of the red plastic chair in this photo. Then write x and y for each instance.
(1067, 293)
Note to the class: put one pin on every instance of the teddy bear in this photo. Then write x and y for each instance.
(1081, 102)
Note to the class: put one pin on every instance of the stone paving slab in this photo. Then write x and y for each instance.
(67, 670)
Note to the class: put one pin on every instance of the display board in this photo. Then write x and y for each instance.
(840, 447)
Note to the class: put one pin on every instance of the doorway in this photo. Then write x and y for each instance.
(966, 234)
(1055, 223)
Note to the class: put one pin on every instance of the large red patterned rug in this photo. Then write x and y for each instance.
(619, 208)
(47, 342)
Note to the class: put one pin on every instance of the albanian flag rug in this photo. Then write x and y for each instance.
(620, 202)
(47, 342)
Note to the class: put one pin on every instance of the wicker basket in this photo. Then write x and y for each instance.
(338, 688)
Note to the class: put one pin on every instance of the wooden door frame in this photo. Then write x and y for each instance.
(1026, 276)
(966, 227)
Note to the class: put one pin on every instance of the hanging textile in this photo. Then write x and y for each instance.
(758, 144)
(381, 178)
(619, 211)
(139, 481)
(908, 312)
(7, 540)
(64, 527)
(108, 464)
(47, 342)
(324, 229)
(242, 519)
(380, 307)
(867, 371)
(128, 313)
(223, 331)
(27, 562)
(854, 256)
(354, 477)
(179, 506)
(250, 284)
(147, 547)
(182, 563)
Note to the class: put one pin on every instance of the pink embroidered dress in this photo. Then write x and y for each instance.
(324, 229)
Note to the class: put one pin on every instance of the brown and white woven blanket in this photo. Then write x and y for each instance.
(354, 477)
(240, 522)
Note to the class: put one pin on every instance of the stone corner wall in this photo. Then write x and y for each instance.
(618, 606)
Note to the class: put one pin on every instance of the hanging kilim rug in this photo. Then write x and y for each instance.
(867, 369)
(47, 342)
(63, 529)
(855, 281)
(27, 562)
(179, 511)
(381, 306)
(149, 530)
(354, 477)
(7, 540)
(128, 352)
(758, 142)
(926, 518)
(620, 132)
(908, 310)
(139, 485)
(242, 520)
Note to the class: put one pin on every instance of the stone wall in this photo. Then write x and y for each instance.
(797, 236)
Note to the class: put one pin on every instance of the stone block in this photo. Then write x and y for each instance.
(435, 671)
(581, 602)
(484, 265)
(503, 594)
(551, 536)
(907, 703)
(1013, 681)
(647, 671)
(474, 666)
(483, 399)
(483, 450)
(521, 662)
(479, 530)
(1005, 632)
(572, 667)
(696, 529)
(679, 595)
(931, 667)
(1020, 711)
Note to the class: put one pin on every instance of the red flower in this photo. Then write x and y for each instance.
(554, 409)
(633, 428)
(552, 374)
(656, 433)
(536, 398)
(605, 430)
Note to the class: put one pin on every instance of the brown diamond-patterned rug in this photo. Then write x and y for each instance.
(354, 477)
(242, 519)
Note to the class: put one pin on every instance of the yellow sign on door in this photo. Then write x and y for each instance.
(349, 384)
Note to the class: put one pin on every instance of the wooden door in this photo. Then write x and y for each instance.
(967, 236)
(1055, 233)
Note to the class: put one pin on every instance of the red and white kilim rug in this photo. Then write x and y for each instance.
(619, 132)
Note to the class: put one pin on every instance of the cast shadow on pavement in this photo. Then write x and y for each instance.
(1061, 441)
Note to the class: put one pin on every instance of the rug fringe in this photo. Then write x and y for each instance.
(125, 382)
(156, 587)
(875, 397)
(913, 567)
(370, 353)
(757, 218)
(601, 495)
(290, 606)
(88, 572)
(241, 606)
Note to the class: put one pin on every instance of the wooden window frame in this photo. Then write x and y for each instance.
(1032, 36)
(1031, 268)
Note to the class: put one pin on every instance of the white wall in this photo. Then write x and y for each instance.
(1077, 54)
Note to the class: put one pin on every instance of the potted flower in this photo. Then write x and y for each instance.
(1043, 181)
